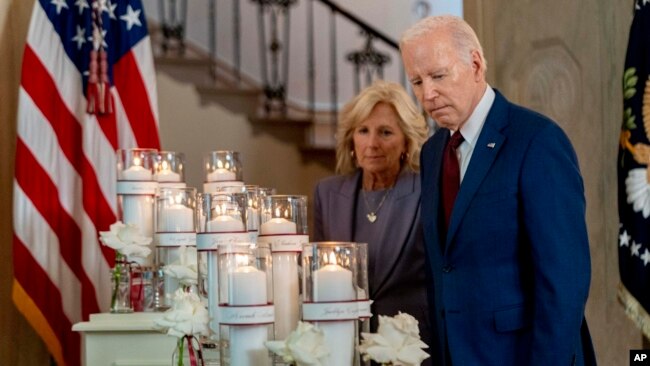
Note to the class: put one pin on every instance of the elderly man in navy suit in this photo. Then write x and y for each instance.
(503, 212)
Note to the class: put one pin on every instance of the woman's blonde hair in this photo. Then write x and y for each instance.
(411, 122)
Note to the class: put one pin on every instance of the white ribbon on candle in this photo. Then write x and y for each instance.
(144, 187)
(284, 243)
(212, 241)
(175, 239)
(241, 315)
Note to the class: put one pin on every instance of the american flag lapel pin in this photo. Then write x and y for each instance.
(491, 145)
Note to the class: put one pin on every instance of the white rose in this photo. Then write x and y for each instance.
(126, 240)
(396, 342)
(185, 269)
(187, 316)
(305, 346)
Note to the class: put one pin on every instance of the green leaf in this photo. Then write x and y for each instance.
(631, 82)
(629, 123)
(629, 93)
(629, 72)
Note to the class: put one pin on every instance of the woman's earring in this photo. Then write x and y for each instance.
(352, 154)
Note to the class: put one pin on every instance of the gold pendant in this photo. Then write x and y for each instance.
(371, 217)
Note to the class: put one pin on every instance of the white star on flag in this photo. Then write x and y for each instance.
(81, 4)
(634, 249)
(624, 239)
(79, 38)
(59, 4)
(96, 39)
(110, 9)
(646, 257)
(131, 17)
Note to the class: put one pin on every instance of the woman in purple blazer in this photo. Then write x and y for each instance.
(376, 198)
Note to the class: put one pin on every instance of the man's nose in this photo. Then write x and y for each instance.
(430, 91)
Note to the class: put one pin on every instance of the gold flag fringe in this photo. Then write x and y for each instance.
(634, 310)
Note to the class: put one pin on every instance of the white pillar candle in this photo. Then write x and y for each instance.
(334, 283)
(247, 286)
(278, 226)
(136, 172)
(221, 174)
(166, 175)
(176, 218)
(138, 210)
(219, 224)
(225, 224)
(286, 284)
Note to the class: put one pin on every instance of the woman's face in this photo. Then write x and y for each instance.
(379, 141)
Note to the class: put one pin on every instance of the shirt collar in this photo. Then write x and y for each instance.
(472, 128)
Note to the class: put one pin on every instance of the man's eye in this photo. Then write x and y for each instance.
(416, 82)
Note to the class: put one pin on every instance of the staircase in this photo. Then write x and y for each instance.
(264, 101)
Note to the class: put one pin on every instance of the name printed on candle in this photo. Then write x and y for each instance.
(330, 311)
(235, 315)
(212, 241)
(175, 239)
(284, 243)
(136, 187)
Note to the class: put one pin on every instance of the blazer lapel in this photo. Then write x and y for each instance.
(487, 148)
(404, 210)
(431, 193)
(341, 214)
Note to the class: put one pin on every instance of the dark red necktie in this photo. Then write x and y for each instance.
(450, 174)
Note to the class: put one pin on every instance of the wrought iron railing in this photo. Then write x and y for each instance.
(273, 19)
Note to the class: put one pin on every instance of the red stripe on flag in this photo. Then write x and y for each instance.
(47, 297)
(41, 88)
(44, 194)
(134, 96)
(108, 124)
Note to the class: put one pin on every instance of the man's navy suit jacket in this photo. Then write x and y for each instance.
(511, 274)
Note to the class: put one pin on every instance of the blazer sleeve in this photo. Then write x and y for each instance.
(318, 234)
(553, 215)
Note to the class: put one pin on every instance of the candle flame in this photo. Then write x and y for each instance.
(241, 260)
(164, 165)
(219, 164)
(179, 198)
(137, 161)
(332, 258)
(286, 213)
(277, 212)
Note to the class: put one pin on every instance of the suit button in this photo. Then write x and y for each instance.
(447, 269)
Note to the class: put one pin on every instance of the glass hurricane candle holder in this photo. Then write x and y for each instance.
(246, 311)
(135, 191)
(222, 220)
(283, 228)
(334, 277)
(169, 169)
(175, 240)
(222, 168)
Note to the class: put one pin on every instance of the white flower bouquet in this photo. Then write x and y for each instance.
(397, 342)
(305, 346)
(186, 319)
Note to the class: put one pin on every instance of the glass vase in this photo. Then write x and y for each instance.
(121, 288)
(183, 356)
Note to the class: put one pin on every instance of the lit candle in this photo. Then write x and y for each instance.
(334, 283)
(225, 224)
(136, 172)
(278, 226)
(166, 175)
(138, 210)
(247, 286)
(219, 224)
(221, 174)
(286, 284)
(176, 218)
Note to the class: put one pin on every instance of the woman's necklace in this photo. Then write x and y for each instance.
(372, 216)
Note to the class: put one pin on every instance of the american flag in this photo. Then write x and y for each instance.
(64, 186)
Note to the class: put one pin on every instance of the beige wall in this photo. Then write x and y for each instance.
(565, 59)
(19, 345)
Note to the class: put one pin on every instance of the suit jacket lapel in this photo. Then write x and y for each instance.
(404, 209)
(431, 193)
(481, 161)
(342, 210)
